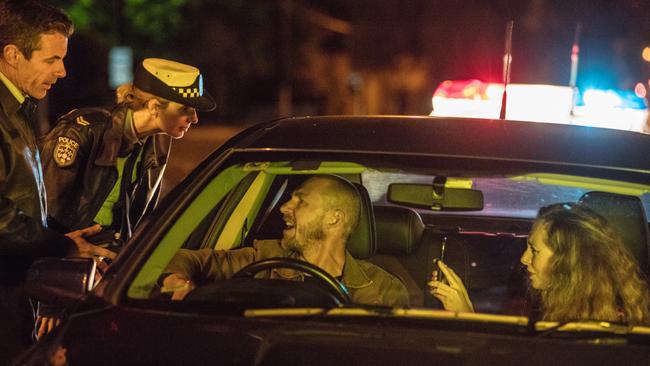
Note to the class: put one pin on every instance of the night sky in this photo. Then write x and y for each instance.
(465, 39)
(404, 48)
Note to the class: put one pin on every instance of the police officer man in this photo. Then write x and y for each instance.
(33, 43)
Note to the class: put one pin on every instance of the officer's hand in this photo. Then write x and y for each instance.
(85, 249)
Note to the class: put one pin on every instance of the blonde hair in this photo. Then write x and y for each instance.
(135, 98)
(592, 274)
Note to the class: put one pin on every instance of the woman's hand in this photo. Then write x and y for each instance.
(454, 295)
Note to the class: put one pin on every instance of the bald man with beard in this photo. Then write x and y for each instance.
(319, 217)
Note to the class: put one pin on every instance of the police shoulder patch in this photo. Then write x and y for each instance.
(65, 151)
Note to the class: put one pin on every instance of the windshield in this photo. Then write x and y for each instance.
(244, 241)
(502, 196)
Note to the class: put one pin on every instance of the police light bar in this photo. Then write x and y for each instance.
(526, 102)
(541, 103)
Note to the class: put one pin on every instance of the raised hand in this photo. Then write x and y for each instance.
(453, 295)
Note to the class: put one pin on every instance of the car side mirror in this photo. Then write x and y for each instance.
(60, 281)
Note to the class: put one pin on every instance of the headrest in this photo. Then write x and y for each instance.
(361, 243)
(627, 215)
(399, 229)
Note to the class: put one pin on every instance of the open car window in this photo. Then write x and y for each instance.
(223, 213)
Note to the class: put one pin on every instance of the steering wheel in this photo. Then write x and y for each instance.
(327, 282)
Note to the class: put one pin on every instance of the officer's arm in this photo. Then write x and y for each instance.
(62, 150)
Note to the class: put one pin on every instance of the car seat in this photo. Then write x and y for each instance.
(362, 241)
(627, 215)
(399, 231)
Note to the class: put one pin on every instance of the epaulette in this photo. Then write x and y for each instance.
(86, 116)
(66, 147)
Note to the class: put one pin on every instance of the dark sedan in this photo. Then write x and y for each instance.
(464, 189)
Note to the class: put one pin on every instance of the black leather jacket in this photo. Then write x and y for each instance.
(23, 231)
(77, 190)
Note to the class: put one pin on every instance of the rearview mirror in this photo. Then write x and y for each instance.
(60, 281)
(435, 198)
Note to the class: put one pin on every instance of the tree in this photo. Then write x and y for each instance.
(142, 24)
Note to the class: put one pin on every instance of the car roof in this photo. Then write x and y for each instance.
(459, 137)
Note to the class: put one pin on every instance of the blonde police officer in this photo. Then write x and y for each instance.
(106, 166)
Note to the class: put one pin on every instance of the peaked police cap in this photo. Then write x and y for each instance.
(173, 81)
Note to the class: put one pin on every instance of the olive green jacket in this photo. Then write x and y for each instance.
(366, 282)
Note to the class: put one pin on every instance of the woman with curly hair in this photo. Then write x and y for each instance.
(578, 266)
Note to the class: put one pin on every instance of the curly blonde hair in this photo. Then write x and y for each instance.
(135, 98)
(592, 274)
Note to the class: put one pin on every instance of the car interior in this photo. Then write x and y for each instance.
(484, 250)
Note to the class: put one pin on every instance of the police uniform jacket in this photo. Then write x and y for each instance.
(366, 282)
(80, 166)
(23, 226)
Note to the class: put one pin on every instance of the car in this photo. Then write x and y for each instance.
(467, 189)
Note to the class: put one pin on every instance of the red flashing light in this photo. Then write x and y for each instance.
(461, 89)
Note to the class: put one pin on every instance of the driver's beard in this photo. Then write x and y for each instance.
(311, 235)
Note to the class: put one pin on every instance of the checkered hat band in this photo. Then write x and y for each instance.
(188, 92)
(190, 95)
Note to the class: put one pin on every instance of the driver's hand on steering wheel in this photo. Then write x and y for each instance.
(178, 285)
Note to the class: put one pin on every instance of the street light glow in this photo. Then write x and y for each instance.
(645, 54)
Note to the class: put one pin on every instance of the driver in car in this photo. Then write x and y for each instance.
(320, 216)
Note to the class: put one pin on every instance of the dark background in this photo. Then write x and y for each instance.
(267, 58)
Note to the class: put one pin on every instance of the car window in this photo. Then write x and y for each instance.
(247, 186)
(206, 234)
(183, 227)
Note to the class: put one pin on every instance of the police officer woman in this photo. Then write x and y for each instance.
(106, 167)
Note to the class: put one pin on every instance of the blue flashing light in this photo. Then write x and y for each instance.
(611, 98)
